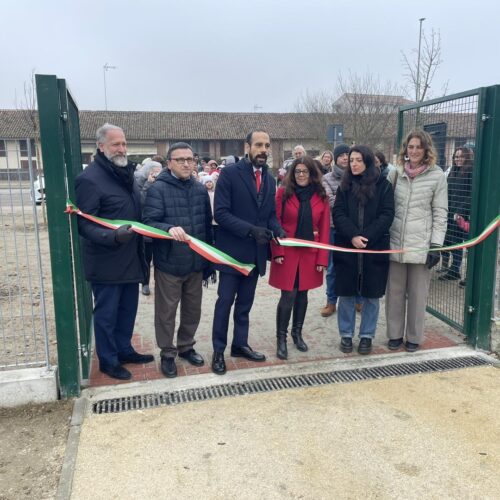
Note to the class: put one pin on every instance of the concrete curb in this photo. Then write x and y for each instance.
(96, 394)
(68, 467)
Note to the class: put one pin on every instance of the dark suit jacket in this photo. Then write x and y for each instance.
(237, 208)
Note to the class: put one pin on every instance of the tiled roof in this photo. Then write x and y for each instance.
(154, 125)
(151, 125)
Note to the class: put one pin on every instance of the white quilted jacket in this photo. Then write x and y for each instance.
(421, 212)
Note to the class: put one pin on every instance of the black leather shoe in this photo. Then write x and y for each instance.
(394, 344)
(346, 344)
(365, 346)
(192, 357)
(410, 346)
(218, 363)
(136, 358)
(168, 367)
(116, 371)
(247, 353)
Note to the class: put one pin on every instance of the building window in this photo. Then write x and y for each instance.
(23, 148)
(25, 165)
(3, 149)
(231, 147)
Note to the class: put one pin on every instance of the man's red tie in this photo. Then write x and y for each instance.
(257, 180)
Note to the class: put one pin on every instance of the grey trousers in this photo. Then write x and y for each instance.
(405, 301)
(169, 291)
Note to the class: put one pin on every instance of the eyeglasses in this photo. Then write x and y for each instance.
(301, 172)
(181, 161)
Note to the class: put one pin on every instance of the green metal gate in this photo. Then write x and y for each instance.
(465, 128)
(61, 150)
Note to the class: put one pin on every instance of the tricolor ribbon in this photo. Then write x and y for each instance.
(295, 242)
(204, 249)
(214, 255)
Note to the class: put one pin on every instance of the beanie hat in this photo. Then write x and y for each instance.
(206, 178)
(230, 160)
(340, 150)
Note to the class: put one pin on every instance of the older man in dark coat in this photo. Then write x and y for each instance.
(246, 214)
(113, 259)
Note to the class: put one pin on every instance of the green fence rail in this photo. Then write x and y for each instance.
(61, 152)
(466, 132)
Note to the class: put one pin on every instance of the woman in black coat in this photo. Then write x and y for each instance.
(362, 214)
(459, 199)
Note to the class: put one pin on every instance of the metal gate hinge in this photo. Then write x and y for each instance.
(84, 351)
(64, 116)
(485, 117)
(471, 309)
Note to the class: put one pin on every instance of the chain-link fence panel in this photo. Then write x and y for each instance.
(453, 126)
(26, 312)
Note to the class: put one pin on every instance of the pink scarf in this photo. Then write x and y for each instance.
(413, 172)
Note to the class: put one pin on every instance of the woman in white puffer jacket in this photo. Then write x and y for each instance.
(421, 204)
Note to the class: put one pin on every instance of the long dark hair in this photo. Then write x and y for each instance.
(468, 155)
(364, 189)
(290, 183)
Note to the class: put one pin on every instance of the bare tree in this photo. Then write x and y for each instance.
(420, 76)
(365, 105)
(28, 108)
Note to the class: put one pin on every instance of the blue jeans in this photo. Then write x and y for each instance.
(346, 315)
(331, 298)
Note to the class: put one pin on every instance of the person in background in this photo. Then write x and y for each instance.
(149, 173)
(113, 258)
(298, 152)
(459, 198)
(326, 159)
(381, 163)
(331, 182)
(421, 203)
(303, 211)
(213, 166)
(363, 213)
(209, 184)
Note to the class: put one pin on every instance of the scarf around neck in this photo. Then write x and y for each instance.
(413, 172)
(124, 174)
(304, 229)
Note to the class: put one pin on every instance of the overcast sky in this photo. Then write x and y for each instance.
(232, 55)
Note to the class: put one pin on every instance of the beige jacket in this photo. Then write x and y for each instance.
(421, 212)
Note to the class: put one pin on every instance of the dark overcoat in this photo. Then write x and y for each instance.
(101, 192)
(238, 208)
(174, 202)
(363, 274)
(459, 201)
(303, 260)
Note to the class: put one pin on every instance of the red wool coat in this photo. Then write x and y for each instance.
(282, 276)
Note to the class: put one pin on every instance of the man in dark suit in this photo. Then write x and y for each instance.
(246, 214)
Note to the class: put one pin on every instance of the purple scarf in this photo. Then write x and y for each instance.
(413, 172)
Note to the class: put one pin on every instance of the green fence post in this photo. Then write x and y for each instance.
(484, 256)
(73, 158)
(51, 135)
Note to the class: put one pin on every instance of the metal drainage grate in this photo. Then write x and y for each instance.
(139, 402)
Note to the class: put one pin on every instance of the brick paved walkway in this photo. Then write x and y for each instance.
(321, 335)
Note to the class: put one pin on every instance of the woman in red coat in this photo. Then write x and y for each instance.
(303, 210)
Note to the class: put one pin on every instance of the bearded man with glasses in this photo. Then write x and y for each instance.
(177, 203)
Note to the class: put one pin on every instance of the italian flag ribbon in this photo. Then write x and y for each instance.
(202, 248)
(295, 242)
(214, 255)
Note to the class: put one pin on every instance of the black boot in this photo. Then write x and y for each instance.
(299, 314)
(283, 313)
